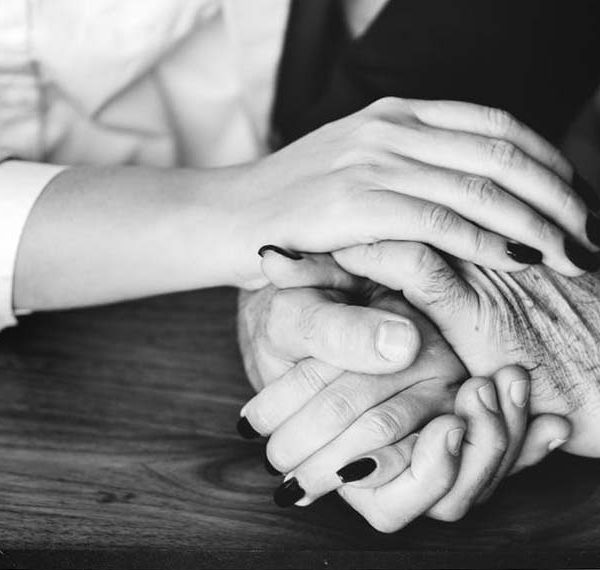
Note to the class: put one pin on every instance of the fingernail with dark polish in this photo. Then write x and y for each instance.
(580, 256)
(246, 430)
(269, 468)
(288, 493)
(586, 192)
(285, 252)
(592, 229)
(357, 470)
(523, 253)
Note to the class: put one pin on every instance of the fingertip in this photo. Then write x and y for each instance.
(474, 393)
(282, 271)
(514, 382)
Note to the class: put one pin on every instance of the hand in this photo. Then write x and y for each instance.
(460, 177)
(431, 474)
(546, 323)
(318, 428)
(278, 329)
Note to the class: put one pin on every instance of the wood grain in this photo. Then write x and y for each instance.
(118, 449)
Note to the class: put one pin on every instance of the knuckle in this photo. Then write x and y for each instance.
(543, 231)
(481, 190)
(500, 122)
(383, 424)
(504, 154)
(311, 377)
(480, 242)
(384, 105)
(375, 253)
(438, 218)
(420, 259)
(569, 201)
(339, 405)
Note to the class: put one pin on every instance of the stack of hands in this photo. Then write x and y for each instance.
(413, 378)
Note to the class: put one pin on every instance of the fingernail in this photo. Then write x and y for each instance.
(519, 393)
(357, 470)
(454, 440)
(555, 443)
(246, 430)
(592, 229)
(285, 252)
(393, 338)
(269, 468)
(487, 394)
(580, 256)
(522, 253)
(288, 493)
(586, 192)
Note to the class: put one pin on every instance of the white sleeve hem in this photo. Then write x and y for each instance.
(21, 183)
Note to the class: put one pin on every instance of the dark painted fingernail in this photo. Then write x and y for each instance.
(288, 493)
(269, 468)
(357, 470)
(285, 252)
(523, 253)
(586, 192)
(245, 429)
(580, 256)
(592, 229)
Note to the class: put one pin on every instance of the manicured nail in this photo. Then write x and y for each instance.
(519, 393)
(580, 256)
(555, 443)
(246, 430)
(586, 192)
(269, 468)
(487, 395)
(592, 229)
(522, 253)
(288, 493)
(285, 252)
(393, 338)
(454, 440)
(357, 470)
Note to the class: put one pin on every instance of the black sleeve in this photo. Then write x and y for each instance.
(538, 59)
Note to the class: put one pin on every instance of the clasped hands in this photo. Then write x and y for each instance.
(408, 403)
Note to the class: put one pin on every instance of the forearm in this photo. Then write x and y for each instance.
(99, 235)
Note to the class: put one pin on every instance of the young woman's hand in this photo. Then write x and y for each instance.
(468, 180)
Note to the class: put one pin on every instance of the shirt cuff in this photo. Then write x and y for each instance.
(21, 183)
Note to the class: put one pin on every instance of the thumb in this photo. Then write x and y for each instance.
(546, 433)
(286, 269)
(309, 323)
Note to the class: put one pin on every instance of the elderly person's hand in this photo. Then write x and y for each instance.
(546, 323)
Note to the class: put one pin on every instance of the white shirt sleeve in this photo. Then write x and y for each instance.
(21, 183)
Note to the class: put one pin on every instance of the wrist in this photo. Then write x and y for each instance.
(222, 231)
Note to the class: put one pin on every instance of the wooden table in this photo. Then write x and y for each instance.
(118, 449)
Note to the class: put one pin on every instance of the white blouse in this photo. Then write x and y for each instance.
(155, 82)
(158, 82)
